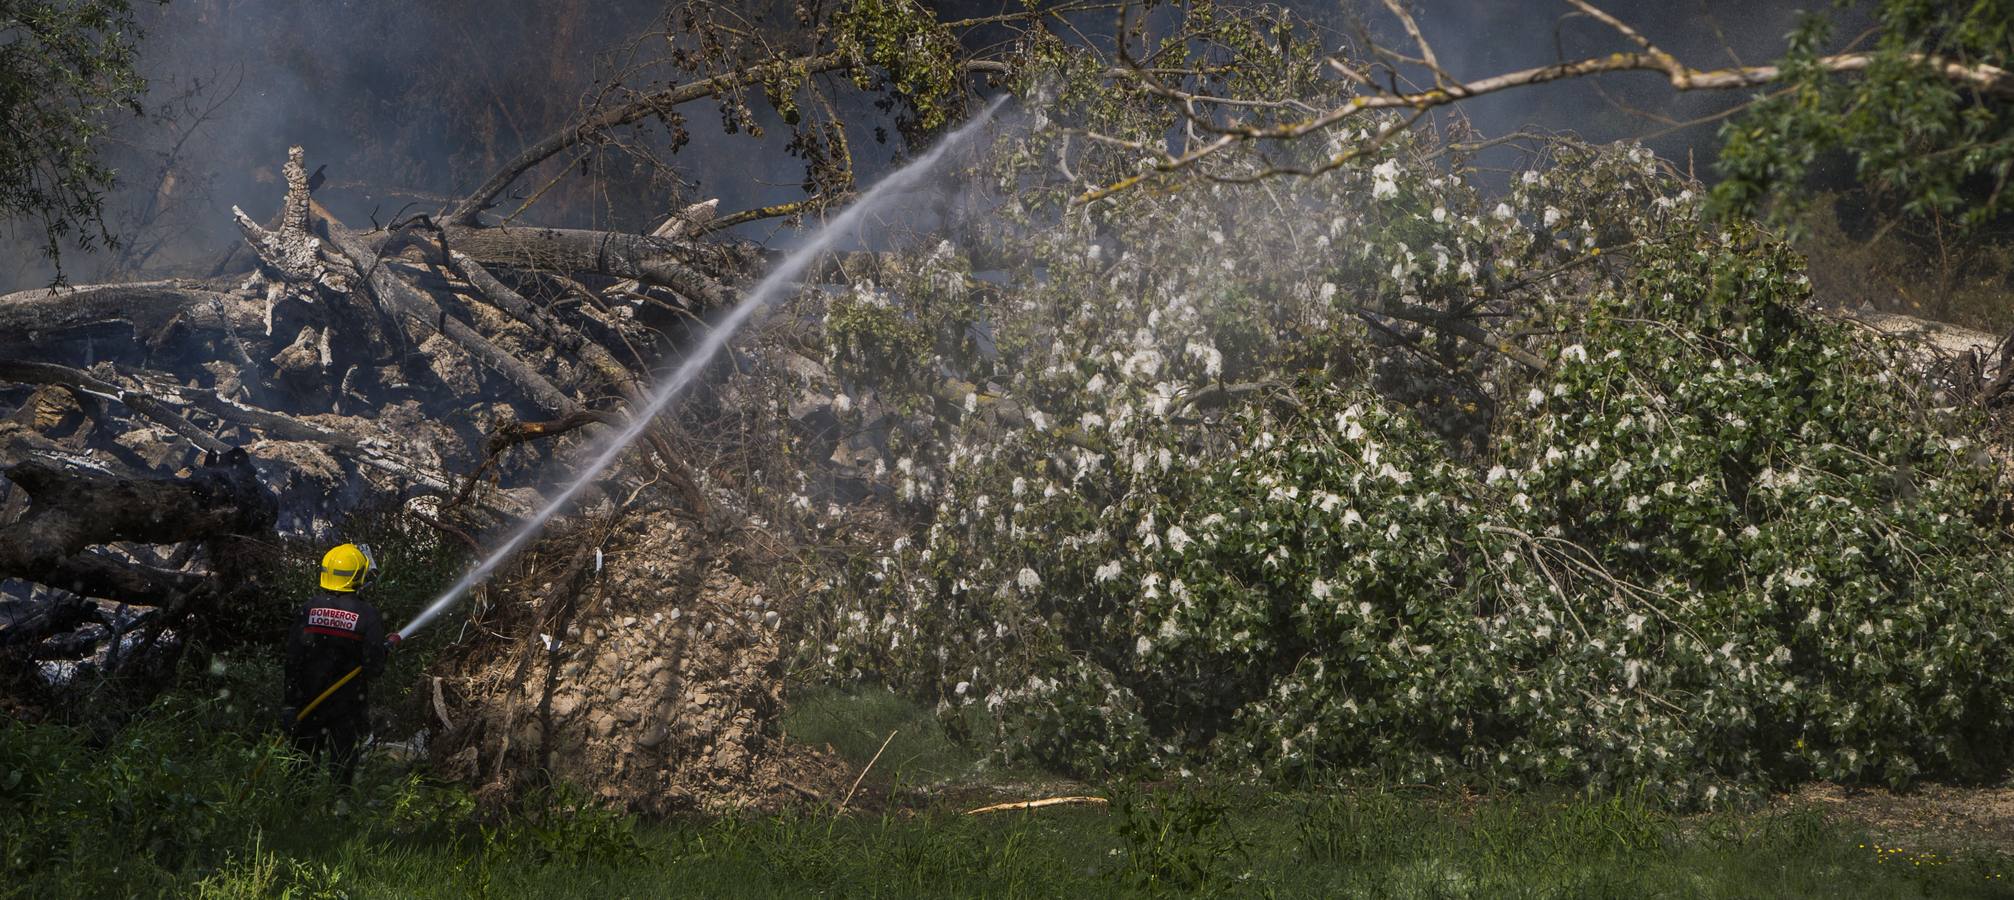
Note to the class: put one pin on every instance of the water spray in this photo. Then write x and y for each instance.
(779, 279)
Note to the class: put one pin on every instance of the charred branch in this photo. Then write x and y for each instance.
(92, 574)
(694, 270)
(511, 434)
(366, 452)
(421, 317)
(644, 106)
(80, 381)
(34, 323)
(64, 613)
(170, 405)
(76, 502)
(560, 335)
(596, 356)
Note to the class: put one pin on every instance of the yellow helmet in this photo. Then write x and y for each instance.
(346, 567)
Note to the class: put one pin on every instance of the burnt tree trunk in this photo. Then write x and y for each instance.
(75, 505)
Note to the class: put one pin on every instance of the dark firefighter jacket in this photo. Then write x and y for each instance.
(332, 634)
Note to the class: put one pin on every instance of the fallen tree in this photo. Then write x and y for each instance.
(302, 355)
(452, 364)
(161, 433)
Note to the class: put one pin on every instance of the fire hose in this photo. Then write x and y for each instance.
(326, 694)
(391, 643)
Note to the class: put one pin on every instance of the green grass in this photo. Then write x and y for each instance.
(855, 725)
(1375, 845)
(182, 802)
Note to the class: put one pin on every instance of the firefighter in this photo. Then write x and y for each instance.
(336, 645)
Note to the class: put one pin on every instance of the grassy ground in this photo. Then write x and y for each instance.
(179, 805)
(1369, 845)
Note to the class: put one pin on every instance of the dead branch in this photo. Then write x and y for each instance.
(91, 574)
(445, 528)
(692, 221)
(571, 341)
(57, 616)
(1038, 804)
(866, 769)
(441, 707)
(692, 269)
(421, 317)
(34, 320)
(79, 381)
(279, 426)
(560, 335)
(79, 502)
(166, 404)
(1980, 76)
(511, 434)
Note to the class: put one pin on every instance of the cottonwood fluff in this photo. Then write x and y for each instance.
(775, 283)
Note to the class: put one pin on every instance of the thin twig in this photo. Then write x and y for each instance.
(869, 768)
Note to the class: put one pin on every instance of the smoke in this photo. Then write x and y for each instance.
(408, 105)
(784, 277)
(1475, 38)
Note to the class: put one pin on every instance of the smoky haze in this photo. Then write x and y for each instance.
(1477, 38)
(408, 104)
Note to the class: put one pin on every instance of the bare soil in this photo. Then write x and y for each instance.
(1929, 817)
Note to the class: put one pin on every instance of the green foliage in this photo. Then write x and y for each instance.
(193, 796)
(903, 43)
(197, 791)
(561, 826)
(871, 336)
(1775, 502)
(1934, 144)
(65, 67)
(1250, 480)
(1361, 828)
(185, 802)
(857, 725)
(161, 796)
(262, 873)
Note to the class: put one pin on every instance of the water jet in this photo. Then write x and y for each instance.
(772, 285)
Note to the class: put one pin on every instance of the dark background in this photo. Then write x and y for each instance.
(408, 102)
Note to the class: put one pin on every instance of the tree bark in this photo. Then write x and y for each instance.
(77, 502)
(420, 317)
(693, 270)
(31, 321)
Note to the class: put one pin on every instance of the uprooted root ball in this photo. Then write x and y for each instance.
(648, 675)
